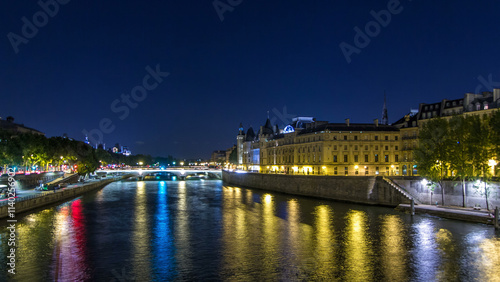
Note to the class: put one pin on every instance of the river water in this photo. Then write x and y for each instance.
(202, 230)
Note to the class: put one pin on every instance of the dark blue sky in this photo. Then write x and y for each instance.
(264, 56)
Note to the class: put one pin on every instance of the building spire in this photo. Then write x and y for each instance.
(241, 129)
(385, 118)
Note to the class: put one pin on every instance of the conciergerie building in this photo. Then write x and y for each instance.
(311, 147)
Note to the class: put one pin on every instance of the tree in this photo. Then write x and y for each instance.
(461, 150)
(433, 153)
(494, 123)
(481, 152)
(233, 157)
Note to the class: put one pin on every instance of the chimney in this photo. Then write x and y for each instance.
(375, 121)
(347, 121)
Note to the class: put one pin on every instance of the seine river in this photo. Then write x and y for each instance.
(202, 230)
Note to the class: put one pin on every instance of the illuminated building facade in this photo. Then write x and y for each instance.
(313, 147)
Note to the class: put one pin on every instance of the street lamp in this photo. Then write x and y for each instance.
(492, 163)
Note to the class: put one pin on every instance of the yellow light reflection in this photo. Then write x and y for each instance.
(490, 259)
(270, 236)
(32, 244)
(236, 248)
(182, 231)
(249, 197)
(359, 264)
(294, 244)
(392, 246)
(268, 199)
(324, 249)
(141, 240)
(449, 269)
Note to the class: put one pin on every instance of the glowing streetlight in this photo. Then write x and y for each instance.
(492, 163)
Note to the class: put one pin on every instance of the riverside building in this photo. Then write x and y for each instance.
(311, 147)
(471, 104)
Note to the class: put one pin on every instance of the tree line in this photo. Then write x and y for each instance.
(463, 147)
(27, 151)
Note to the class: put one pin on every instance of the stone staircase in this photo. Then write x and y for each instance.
(401, 190)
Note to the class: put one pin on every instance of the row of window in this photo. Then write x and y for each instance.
(367, 171)
(386, 147)
(335, 148)
(367, 158)
(344, 137)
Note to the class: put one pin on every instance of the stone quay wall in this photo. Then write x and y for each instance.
(452, 191)
(357, 189)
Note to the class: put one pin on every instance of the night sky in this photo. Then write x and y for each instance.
(263, 56)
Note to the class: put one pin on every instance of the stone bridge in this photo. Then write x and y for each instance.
(170, 173)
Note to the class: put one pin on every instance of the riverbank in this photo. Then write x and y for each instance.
(369, 190)
(465, 214)
(32, 202)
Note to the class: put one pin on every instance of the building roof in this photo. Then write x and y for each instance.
(9, 125)
(351, 127)
(409, 120)
(268, 128)
(250, 136)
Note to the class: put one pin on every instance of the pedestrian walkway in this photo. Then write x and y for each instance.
(466, 214)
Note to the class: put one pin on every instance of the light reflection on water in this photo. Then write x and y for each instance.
(140, 238)
(358, 247)
(392, 242)
(201, 230)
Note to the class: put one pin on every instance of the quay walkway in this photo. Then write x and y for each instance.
(452, 212)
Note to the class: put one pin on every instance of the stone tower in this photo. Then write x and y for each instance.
(239, 144)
